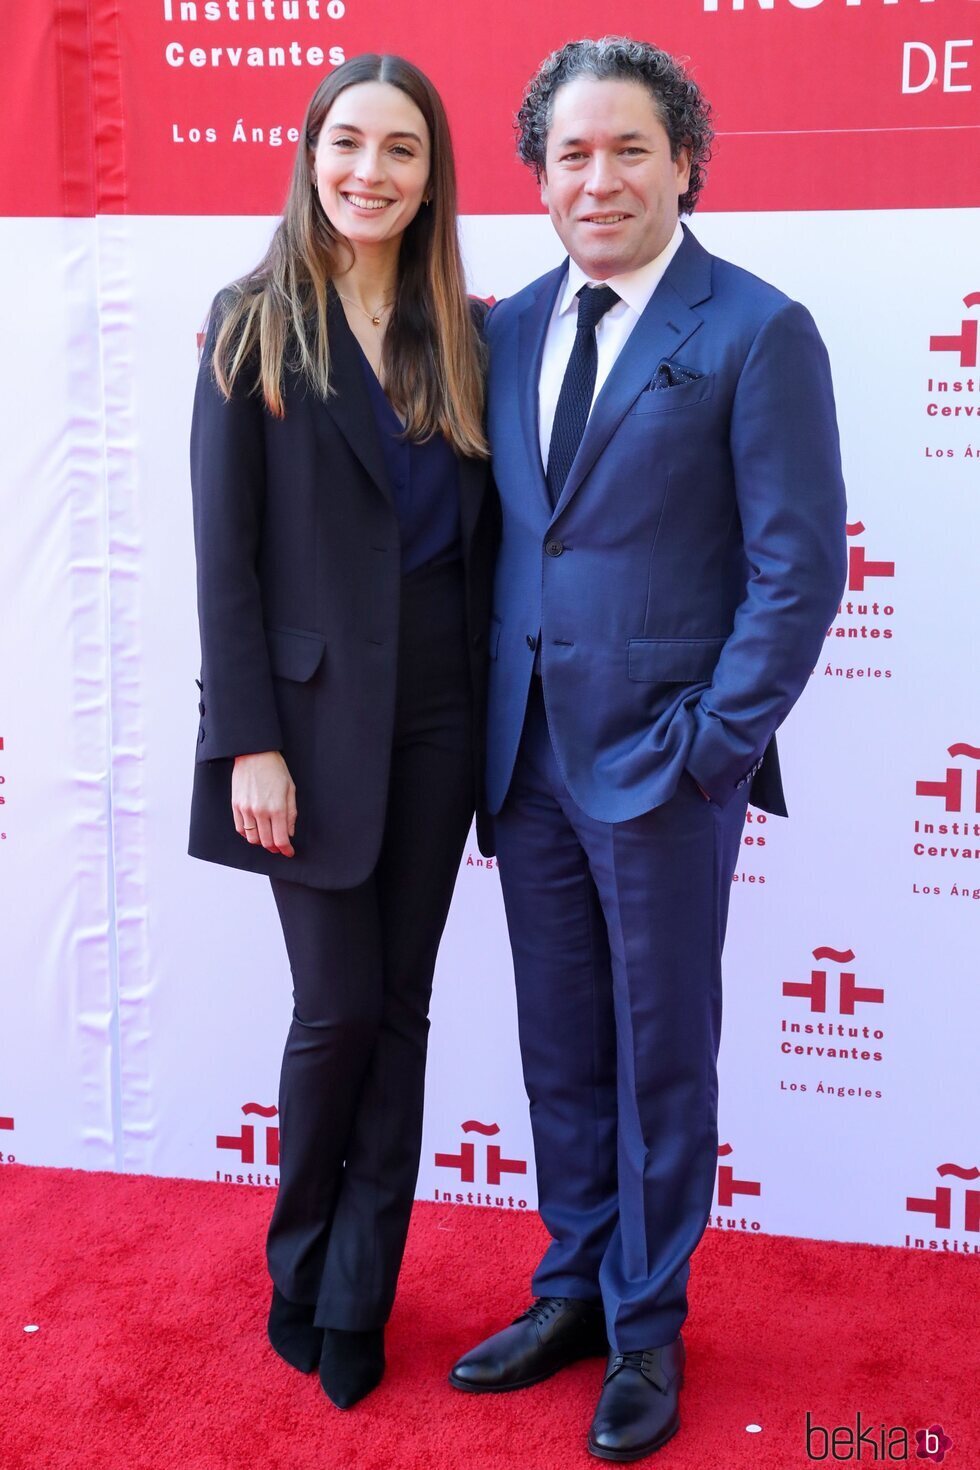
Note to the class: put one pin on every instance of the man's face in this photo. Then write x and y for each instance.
(610, 184)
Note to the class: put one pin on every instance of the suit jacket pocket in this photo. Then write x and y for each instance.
(673, 660)
(294, 654)
(663, 400)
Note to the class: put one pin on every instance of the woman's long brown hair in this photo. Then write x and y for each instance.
(275, 318)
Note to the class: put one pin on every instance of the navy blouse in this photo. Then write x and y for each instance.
(424, 484)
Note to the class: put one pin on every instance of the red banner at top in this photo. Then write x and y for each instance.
(193, 106)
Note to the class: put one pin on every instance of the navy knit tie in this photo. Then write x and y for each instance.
(578, 386)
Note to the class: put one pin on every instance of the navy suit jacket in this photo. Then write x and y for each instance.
(299, 586)
(681, 589)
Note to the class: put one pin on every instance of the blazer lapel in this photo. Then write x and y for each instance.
(666, 324)
(349, 405)
(531, 333)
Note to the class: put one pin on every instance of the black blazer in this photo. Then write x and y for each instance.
(298, 579)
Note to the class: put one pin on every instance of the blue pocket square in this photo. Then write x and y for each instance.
(673, 375)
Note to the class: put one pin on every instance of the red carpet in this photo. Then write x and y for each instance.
(150, 1296)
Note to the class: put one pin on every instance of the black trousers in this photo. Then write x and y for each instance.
(362, 959)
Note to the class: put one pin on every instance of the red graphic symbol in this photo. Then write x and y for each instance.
(728, 1185)
(244, 1142)
(940, 1206)
(966, 343)
(859, 568)
(465, 1160)
(933, 1444)
(849, 992)
(7, 1124)
(951, 787)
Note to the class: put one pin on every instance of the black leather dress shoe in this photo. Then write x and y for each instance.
(553, 1332)
(637, 1410)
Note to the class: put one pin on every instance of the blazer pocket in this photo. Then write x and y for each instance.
(294, 654)
(663, 400)
(673, 660)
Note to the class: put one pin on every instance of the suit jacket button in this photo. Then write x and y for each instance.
(554, 548)
(200, 738)
(532, 642)
(200, 708)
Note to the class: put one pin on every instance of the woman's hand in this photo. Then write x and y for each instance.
(263, 799)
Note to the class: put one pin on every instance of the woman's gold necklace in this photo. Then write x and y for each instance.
(374, 317)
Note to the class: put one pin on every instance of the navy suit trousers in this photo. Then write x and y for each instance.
(362, 959)
(617, 932)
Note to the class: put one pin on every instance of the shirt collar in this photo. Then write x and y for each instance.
(633, 287)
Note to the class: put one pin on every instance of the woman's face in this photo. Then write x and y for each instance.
(372, 163)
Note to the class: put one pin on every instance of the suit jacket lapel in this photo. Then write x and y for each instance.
(350, 404)
(531, 333)
(662, 330)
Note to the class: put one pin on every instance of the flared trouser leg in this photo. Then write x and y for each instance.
(362, 961)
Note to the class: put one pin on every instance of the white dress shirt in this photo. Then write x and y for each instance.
(634, 289)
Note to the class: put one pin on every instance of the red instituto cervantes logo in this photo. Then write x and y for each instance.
(965, 341)
(728, 1185)
(843, 988)
(483, 1165)
(949, 1209)
(254, 1145)
(860, 570)
(835, 1028)
(731, 1191)
(865, 616)
(465, 1161)
(950, 788)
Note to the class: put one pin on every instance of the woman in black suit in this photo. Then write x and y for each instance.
(345, 528)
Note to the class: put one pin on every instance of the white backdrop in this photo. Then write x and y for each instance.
(146, 995)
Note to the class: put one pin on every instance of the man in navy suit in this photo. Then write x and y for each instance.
(665, 445)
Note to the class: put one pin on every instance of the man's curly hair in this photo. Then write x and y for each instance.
(683, 110)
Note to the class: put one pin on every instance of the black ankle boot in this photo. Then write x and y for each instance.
(292, 1333)
(351, 1364)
